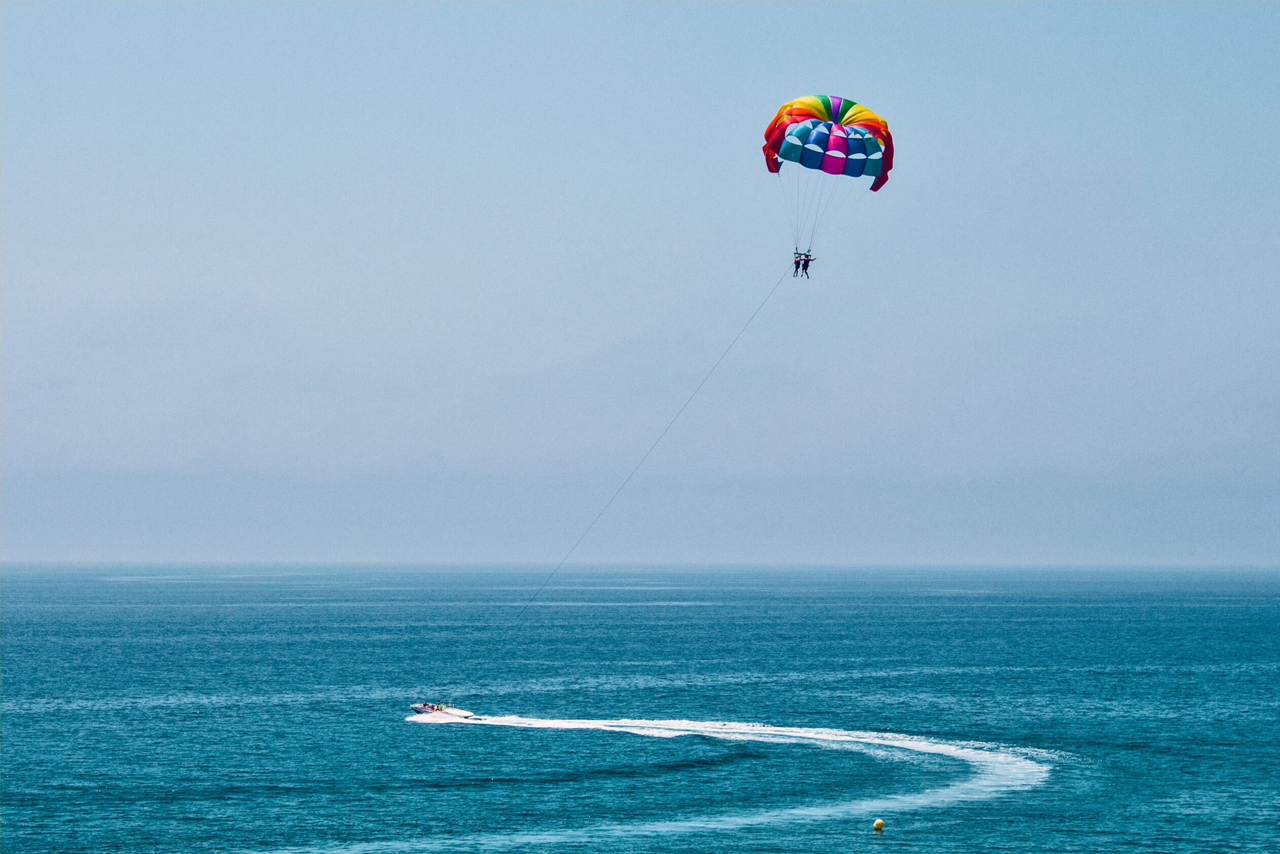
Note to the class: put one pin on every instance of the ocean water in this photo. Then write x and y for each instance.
(265, 709)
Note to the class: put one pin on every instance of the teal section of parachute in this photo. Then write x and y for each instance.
(832, 148)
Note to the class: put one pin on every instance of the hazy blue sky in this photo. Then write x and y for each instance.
(422, 282)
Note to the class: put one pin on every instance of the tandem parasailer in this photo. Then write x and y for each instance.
(829, 138)
(803, 260)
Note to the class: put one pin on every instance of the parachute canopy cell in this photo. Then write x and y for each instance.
(830, 134)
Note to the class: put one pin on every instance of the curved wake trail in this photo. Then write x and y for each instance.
(997, 771)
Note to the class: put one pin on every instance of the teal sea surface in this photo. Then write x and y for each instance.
(266, 709)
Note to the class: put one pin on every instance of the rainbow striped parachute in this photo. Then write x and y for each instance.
(831, 135)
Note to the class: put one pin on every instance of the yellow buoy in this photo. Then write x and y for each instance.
(879, 825)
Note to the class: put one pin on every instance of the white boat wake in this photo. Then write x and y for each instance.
(997, 771)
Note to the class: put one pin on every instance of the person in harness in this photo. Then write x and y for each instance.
(804, 264)
(799, 259)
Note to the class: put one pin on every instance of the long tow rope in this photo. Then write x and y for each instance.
(661, 435)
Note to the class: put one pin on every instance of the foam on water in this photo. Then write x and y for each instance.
(997, 771)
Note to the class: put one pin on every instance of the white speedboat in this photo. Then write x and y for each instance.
(441, 709)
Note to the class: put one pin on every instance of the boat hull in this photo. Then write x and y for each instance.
(445, 713)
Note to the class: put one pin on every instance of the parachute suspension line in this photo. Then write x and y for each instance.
(800, 186)
(837, 190)
(824, 195)
(843, 200)
(803, 187)
(661, 435)
(818, 187)
(802, 199)
(815, 196)
(826, 185)
(811, 189)
(802, 195)
(786, 203)
(795, 220)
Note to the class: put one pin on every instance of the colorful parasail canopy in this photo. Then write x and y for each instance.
(831, 134)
